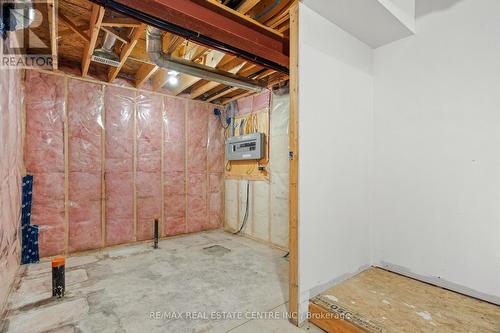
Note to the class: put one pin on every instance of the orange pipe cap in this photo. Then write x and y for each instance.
(56, 262)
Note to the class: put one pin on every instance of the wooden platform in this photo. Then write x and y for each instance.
(380, 301)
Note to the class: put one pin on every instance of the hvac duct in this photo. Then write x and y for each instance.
(155, 51)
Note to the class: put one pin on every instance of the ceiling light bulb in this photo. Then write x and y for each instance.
(173, 80)
(173, 73)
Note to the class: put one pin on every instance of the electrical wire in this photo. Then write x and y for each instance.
(245, 218)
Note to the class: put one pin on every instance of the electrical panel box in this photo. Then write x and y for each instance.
(246, 147)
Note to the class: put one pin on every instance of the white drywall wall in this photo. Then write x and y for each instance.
(437, 158)
(335, 138)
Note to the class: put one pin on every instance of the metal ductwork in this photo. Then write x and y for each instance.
(163, 60)
(106, 55)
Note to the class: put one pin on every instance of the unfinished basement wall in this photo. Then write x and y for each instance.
(11, 96)
(335, 147)
(437, 162)
(268, 198)
(109, 159)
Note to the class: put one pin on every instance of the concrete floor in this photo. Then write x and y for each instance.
(138, 289)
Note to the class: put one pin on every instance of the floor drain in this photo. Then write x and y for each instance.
(216, 250)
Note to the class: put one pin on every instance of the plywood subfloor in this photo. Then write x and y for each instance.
(381, 301)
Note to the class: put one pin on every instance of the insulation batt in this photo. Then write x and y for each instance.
(11, 97)
(197, 216)
(148, 177)
(134, 128)
(174, 123)
(119, 105)
(85, 125)
(44, 157)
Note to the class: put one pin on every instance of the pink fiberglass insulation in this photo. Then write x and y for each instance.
(215, 149)
(174, 129)
(148, 177)
(44, 157)
(11, 96)
(85, 125)
(261, 101)
(216, 145)
(197, 209)
(119, 124)
(216, 199)
(254, 103)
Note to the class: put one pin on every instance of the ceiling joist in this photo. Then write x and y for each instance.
(95, 25)
(126, 50)
(73, 27)
(246, 5)
(145, 72)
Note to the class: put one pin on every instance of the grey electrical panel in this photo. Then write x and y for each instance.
(246, 147)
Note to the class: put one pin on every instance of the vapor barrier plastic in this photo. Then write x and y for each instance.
(85, 127)
(279, 167)
(197, 211)
(174, 124)
(44, 157)
(120, 135)
(119, 104)
(148, 177)
(11, 96)
(215, 152)
(268, 212)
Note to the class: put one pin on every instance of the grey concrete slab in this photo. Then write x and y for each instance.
(135, 288)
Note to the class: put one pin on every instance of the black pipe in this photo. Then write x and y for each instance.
(156, 234)
(58, 278)
(189, 34)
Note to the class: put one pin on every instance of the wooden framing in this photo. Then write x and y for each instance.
(159, 79)
(245, 17)
(95, 25)
(119, 36)
(293, 279)
(52, 15)
(144, 73)
(103, 169)
(74, 28)
(246, 5)
(126, 50)
(66, 167)
(219, 95)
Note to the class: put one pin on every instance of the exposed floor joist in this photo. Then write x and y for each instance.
(126, 50)
(79, 31)
(95, 25)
